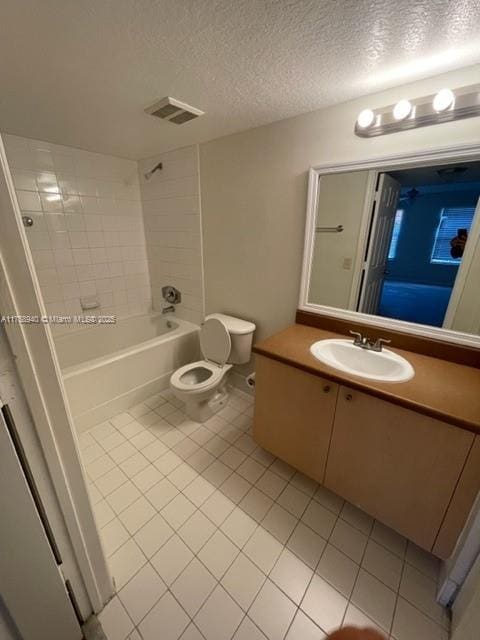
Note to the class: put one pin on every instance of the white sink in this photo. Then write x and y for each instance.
(384, 365)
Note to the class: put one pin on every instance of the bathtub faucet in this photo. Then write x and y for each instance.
(169, 309)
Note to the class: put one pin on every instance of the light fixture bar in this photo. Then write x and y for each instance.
(466, 104)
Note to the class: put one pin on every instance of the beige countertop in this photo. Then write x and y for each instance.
(441, 389)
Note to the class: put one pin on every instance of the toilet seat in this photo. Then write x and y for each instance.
(216, 373)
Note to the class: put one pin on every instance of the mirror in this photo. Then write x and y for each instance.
(399, 243)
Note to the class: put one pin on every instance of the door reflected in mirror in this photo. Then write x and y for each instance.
(401, 243)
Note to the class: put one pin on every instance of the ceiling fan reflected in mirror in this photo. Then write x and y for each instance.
(411, 195)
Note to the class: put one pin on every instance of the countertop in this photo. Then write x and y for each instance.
(441, 389)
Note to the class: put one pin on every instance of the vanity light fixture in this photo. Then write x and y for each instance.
(402, 109)
(444, 106)
(365, 118)
(444, 99)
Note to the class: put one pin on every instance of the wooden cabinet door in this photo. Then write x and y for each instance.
(293, 415)
(399, 466)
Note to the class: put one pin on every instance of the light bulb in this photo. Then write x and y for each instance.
(443, 100)
(402, 109)
(365, 118)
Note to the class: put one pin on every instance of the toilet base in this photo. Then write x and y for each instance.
(202, 410)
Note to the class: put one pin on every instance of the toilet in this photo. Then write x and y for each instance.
(202, 385)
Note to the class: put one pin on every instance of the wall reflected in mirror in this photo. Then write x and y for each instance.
(401, 244)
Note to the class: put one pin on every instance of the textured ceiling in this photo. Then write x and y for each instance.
(80, 72)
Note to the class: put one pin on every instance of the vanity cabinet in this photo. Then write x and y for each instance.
(294, 415)
(415, 473)
(399, 466)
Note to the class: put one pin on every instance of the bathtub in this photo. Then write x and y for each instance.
(108, 368)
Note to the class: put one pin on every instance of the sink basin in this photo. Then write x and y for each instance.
(384, 365)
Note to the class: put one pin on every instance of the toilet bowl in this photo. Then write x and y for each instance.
(202, 385)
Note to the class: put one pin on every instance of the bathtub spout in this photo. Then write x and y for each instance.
(169, 309)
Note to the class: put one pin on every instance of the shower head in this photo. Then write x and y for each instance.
(150, 173)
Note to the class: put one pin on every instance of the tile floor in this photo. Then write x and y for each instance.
(210, 537)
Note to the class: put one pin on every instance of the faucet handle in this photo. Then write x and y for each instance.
(358, 337)
(379, 342)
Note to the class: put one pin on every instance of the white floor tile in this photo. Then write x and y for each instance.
(291, 575)
(324, 604)
(146, 478)
(239, 526)
(375, 599)
(235, 487)
(251, 470)
(349, 540)
(172, 559)
(102, 430)
(337, 569)
(423, 561)
(133, 465)
(99, 467)
(111, 481)
(217, 473)
(304, 483)
(303, 628)
(280, 523)
(137, 514)
(294, 500)
(319, 519)
(93, 452)
(123, 497)
(142, 439)
(357, 518)
(328, 499)
(193, 586)
(256, 504)
(167, 620)
(121, 419)
(217, 507)
(218, 554)
(383, 564)
(389, 539)
(248, 631)
(131, 429)
(199, 490)
(161, 493)
(219, 617)
(200, 460)
(182, 476)
(112, 441)
(216, 446)
(114, 620)
(122, 452)
(232, 457)
(271, 484)
(113, 536)
(243, 581)
(125, 562)
(420, 591)
(153, 535)
(263, 549)
(410, 623)
(141, 593)
(192, 633)
(103, 513)
(178, 511)
(282, 469)
(168, 462)
(196, 531)
(272, 611)
(356, 618)
(154, 451)
(306, 544)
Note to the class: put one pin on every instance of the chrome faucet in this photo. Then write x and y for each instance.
(169, 309)
(364, 342)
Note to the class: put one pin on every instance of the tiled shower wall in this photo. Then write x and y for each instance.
(171, 209)
(87, 238)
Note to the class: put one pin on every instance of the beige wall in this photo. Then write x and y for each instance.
(341, 200)
(254, 187)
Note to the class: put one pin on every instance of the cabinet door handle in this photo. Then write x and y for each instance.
(326, 388)
(349, 397)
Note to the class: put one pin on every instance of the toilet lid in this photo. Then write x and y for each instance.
(215, 341)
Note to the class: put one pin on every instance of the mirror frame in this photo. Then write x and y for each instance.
(384, 163)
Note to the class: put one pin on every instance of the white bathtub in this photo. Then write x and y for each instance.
(107, 368)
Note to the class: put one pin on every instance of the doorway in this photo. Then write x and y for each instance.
(429, 224)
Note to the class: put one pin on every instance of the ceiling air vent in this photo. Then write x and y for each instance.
(173, 110)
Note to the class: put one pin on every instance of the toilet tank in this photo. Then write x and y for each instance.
(241, 335)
